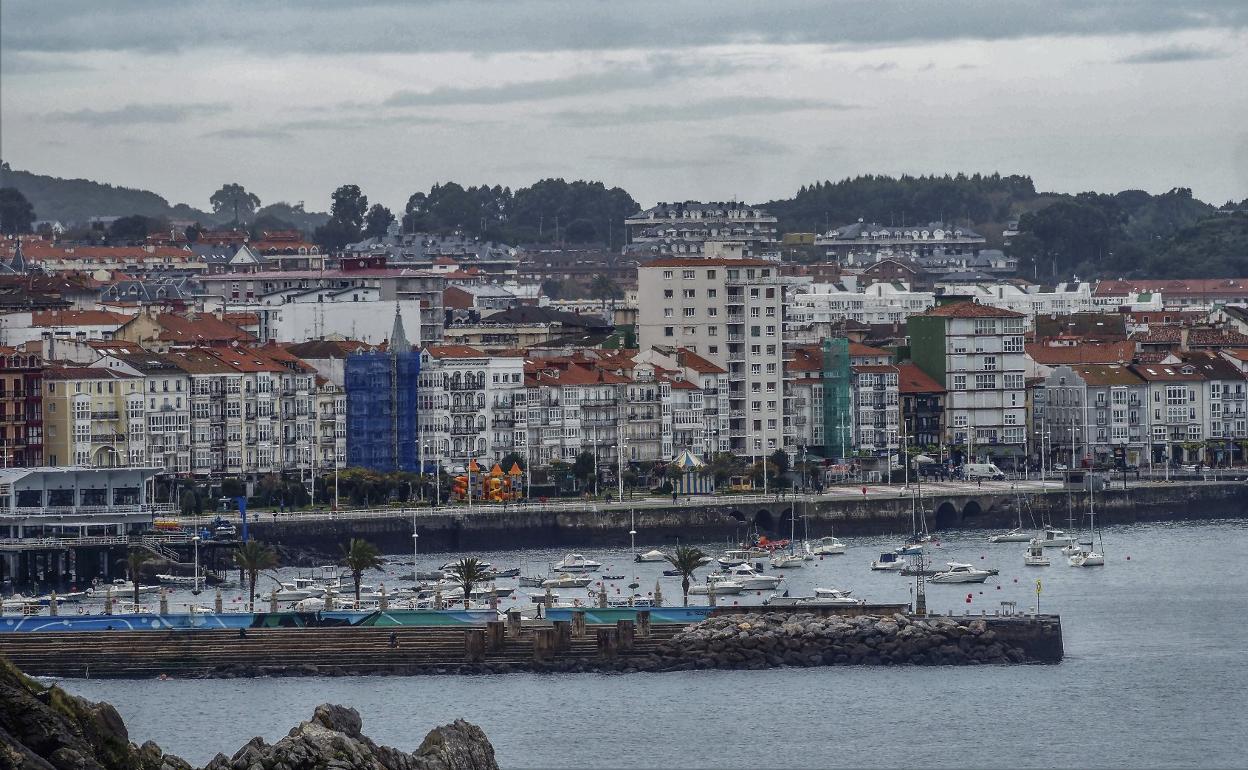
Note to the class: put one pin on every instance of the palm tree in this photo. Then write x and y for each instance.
(358, 557)
(134, 561)
(467, 572)
(603, 288)
(252, 558)
(685, 560)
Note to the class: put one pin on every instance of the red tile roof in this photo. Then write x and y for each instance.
(77, 318)
(970, 310)
(203, 329)
(455, 351)
(912, 379)
(692, 360)
(1084, 353)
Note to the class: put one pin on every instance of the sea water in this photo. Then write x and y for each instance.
(1155, 675)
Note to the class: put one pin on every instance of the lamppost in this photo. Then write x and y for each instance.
(415, 547)
(195, 583)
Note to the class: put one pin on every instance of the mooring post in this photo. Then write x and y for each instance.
(543, 643)
(643, 623)
(495, 634)
(474, 645)
(626, 632)
(563, 634)
(383, 603)
(658, 595)
(514, 626)
(217, 602)
(164, 602)
(608, 639)
(108, 601)
(578, 624)
(52, 602)
(273, 600)
(602, 596)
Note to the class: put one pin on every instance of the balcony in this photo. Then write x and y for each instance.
(104, 415)
(463, 408)
(503, 422)
(460, 386)
(462, 430)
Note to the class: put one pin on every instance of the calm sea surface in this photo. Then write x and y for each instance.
(1156, 675)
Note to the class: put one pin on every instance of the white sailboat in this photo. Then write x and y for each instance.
(1016, 535)
(791, 559)
(1091, 557)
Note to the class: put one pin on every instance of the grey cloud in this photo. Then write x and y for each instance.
(28, 64)
(135, 114)
(653, 71)
(361, 122)
(881, 67)
(1172, 53)
(755, 146)
(708, 109)
(264, 134)
(483, 26)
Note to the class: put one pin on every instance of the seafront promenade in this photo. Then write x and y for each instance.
(861, 509)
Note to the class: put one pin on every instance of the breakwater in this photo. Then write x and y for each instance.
(759, 639)
(883, 510)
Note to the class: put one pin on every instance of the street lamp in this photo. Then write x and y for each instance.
(195, 583)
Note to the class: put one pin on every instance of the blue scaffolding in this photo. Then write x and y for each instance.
(382, 390)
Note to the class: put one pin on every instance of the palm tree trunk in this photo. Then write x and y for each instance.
(684, 583)
(356, 576)
(251, 591)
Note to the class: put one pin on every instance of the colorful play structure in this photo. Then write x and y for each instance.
(493, 487)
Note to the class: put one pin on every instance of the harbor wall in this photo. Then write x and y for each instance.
(726, 520)
(764, 639)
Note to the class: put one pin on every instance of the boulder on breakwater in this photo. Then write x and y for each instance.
(766, 640)
(45, 728)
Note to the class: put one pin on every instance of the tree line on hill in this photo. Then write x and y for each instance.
(1129, 233)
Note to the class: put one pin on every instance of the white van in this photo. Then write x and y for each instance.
(973, 471)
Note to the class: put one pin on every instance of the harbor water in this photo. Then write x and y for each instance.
(1155, 676)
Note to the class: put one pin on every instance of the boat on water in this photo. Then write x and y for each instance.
(836, 596)
(507, 573)
(1092, 557)
(1013, 536)
(1087, 559)
(827, 546)
(889, 562)
(722, 587)
(653, 555)
(910, 549)
(1056, 538)
(1034, 556)
(786, 560)
(734, 558)
(566, 580)
(960, 573)
(575, 562)
(749, 578)
(530, 581)
(175, 580)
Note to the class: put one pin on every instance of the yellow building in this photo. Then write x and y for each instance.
(93, 417)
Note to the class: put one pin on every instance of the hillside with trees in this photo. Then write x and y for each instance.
(74, 201)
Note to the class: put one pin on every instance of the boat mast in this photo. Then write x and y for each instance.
(632, 530)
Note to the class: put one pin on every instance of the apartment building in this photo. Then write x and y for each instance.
(690, 226)
(976, 353)
(876, 412)
(922, 407)
(574, 408)
(21, 408)
(93, 417)
(467, 404)
(730, 312)
(1099, 413)
(166, 388)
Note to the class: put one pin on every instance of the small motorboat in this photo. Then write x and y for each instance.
(781, 560)
(1034, 555)
(1056, 538)
(1072, 549)
(890, 562)
(827, 546)
(575, 562)
(613, 577)
(960, 573)
(530, 581)
(507, 573)
(654, 555)
(749, 578)
(1013, 536)
(566, 580)
(717, 587)
(731, 559)
(835, 596)
(310, 604)
(1087, 559)
(910, 549)
(176, 580)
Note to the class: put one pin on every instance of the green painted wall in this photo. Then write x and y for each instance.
(927, 345)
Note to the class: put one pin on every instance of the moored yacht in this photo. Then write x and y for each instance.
(1056, 538)
(827, 546)
(654, 555)
(782, 560)
(890, 561)
(1034, 555)
(575, 562)
(1013, 536)
(722, 587)
(960, 573)
(749, 578)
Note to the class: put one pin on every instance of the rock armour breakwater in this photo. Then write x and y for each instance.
(766, 640)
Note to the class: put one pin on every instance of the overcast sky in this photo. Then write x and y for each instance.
(670, 100)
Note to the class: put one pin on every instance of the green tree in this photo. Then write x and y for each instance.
(252, 558)
(377, 222)
(605, 289)
(133, 228)
(467, 573)
(350, 206)
(232, 199)
(584, 468)
(685, 559)
(724, 466)
(359, 557)
(16, 213)
(135, 559)
(552, 288)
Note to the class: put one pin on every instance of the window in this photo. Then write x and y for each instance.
(959, 382)
(689, 293)
(985, 381)
(667, 275)
(668, 294)
(668, 312)
(686, 274)
(1012, 345)
(985, 326)
(1013, 382)
(712, 311)
(712, 331)
(669, 331)
(712, 293)
(990, 363)
(690, 312)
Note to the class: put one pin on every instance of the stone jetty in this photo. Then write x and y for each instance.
(732, 640)
(766, 640)
(45, 728)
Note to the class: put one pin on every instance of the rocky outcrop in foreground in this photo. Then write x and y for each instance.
(45, 728)
(772, 639)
